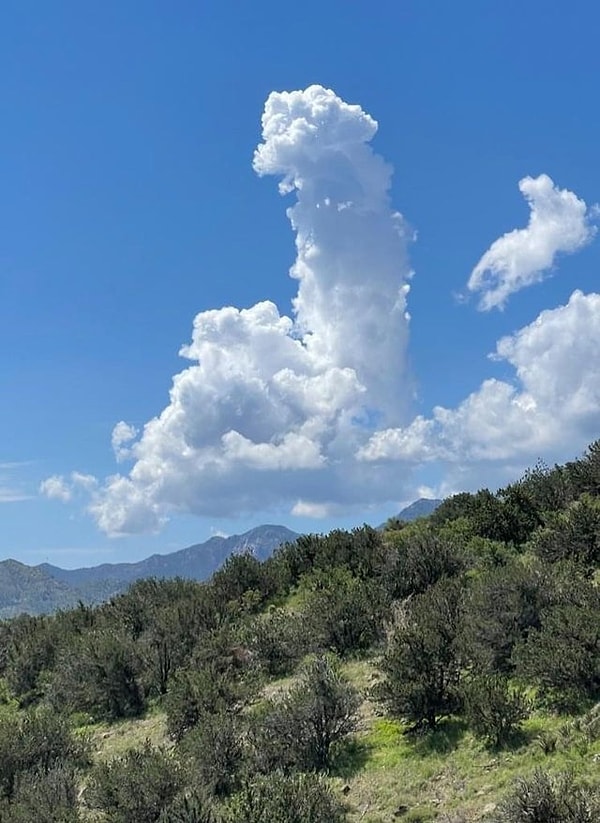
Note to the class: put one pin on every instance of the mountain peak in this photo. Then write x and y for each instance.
(422, 507)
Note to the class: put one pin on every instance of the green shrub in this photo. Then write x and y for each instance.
(276, 798)
(421, 666)
(99, 674)
(502, 606)
(195, 694)
(543, 798)
(214, 753)
(44, 797)
(304, 728)
(277, 641)
(136, 787)
(572, 534)
(38, 741)
(563, 657)
(494, 710)
(344, 613)
(189, 808)
(420, 559)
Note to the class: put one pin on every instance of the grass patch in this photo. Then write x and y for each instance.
(115, 739)
(450, 773)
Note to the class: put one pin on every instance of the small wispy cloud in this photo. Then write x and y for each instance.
(122, 434)
(56, 488)
(12, 495)
(12, 490)
(306, 508)
(559, 222)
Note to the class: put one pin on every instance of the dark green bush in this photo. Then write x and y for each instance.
(189, 808)
(344, 613)
(44, 797)
(98, 673)
(277, 798)
(277, 641)
(421, 558)
(194, 694)
(305, 727)
(572, 534)
(136, 787)
(39, 741)
(240, 575)
(494, 709)
(563, 657)
(501, 607)
(421, 665)
(214, 753)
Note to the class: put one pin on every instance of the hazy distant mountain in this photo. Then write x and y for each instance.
(46, 588)
(196, 562)
(422, 507)
(24, 588)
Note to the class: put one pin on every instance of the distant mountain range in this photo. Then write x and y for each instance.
(45, 588)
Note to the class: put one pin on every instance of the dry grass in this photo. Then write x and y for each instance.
(116, 739)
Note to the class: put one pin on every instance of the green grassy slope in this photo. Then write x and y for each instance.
(387, 774)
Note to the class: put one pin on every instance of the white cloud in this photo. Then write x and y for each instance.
(11, 489)
(56, 488)
(86, 482)
(59, 487)
(272, 408)
(551, 410)
(305, 508)
(559, 222)
(121, 434)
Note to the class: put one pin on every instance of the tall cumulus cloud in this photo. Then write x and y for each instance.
(272, 408)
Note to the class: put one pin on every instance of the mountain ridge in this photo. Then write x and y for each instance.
(197, 561)
(45, 588)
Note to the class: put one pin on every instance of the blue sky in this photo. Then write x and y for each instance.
(130, 205)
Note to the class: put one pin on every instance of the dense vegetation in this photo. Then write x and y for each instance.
(480, 622)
